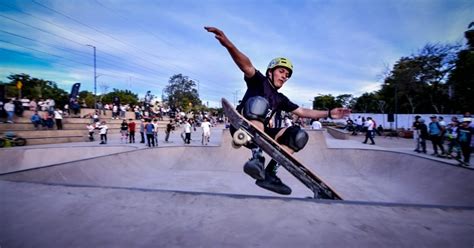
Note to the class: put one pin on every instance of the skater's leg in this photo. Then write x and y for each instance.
(293, 139)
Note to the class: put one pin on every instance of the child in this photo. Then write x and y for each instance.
(103, 132)
(91, 128)
(124, 132)
(206, 131)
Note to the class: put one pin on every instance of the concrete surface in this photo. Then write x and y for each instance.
(196, 196)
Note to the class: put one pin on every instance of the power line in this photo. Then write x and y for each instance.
(141, 80)
(93, 28)
(84, 53)
(116, 12)
(103, 33)
(47, 44)
(54, 55)
(40, 29)
(75, 33)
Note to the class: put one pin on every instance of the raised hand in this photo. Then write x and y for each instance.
(220, 36)
(339, 113)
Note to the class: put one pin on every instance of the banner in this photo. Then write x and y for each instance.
(74, 92)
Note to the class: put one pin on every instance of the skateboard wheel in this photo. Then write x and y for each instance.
(240, 138)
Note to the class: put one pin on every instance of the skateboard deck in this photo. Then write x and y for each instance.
(247, 132)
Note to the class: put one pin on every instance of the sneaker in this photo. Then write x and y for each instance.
(273, 183)
(255, 168)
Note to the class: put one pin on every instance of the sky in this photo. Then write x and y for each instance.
(337, 47)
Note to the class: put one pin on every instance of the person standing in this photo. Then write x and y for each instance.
(103, 128)
(9, 107)
(464, 137)
(423, 135)
(124, 132)
(369, 132)
(187, 131)
(91, 128)
(58, 117)
(316, 124)
(142, 130)
(149, 129)
(206, 131)
(169, 128)
(131, 130)
(436, 132)
(416, 133)
(155, 131)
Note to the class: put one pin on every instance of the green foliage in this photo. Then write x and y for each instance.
(367, 103)
(345, 100)
(324, 102)
(417, 84)
(126, 97)
(461, 81)
(181, 93)
(34, 88)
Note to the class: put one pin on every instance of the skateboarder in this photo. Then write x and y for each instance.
(260, 102)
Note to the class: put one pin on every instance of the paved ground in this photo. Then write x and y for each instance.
(197, 196)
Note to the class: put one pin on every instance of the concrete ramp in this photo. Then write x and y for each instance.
(358, 175)
(24, 158)
(199, 197)
(387, 176)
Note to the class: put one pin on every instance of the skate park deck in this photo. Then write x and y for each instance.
(199, 196)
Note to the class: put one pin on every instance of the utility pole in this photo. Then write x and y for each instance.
(95, 77)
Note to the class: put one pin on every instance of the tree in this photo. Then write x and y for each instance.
(88, 97)
(36, 88)
(461, 79)
(345, 100)
(126, 97)
(366, 103)
(419, 81)
(181, 93)
(325, 102)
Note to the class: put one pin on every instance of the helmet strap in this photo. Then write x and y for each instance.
(271, 78)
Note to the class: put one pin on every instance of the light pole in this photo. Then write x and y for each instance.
(395, 114)
(95, 77)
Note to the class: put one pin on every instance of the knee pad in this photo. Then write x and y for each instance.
(256, 108)
(294, 137)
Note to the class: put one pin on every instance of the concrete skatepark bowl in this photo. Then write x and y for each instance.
(195, 196)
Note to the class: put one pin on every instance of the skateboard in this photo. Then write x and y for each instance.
(247, 133)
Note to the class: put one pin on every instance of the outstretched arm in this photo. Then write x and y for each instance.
(336, 113)
(242, 61)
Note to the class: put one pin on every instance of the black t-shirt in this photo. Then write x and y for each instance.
(259, 85)
(124, 126)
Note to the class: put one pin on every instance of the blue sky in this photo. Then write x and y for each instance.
(337, 47)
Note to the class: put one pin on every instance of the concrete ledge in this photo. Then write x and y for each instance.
(338, 133)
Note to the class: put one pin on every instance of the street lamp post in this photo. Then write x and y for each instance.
(395, 114)
(95, 77)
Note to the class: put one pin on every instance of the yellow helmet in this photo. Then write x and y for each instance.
(281, 62)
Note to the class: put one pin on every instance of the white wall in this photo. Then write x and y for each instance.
(404, 120)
